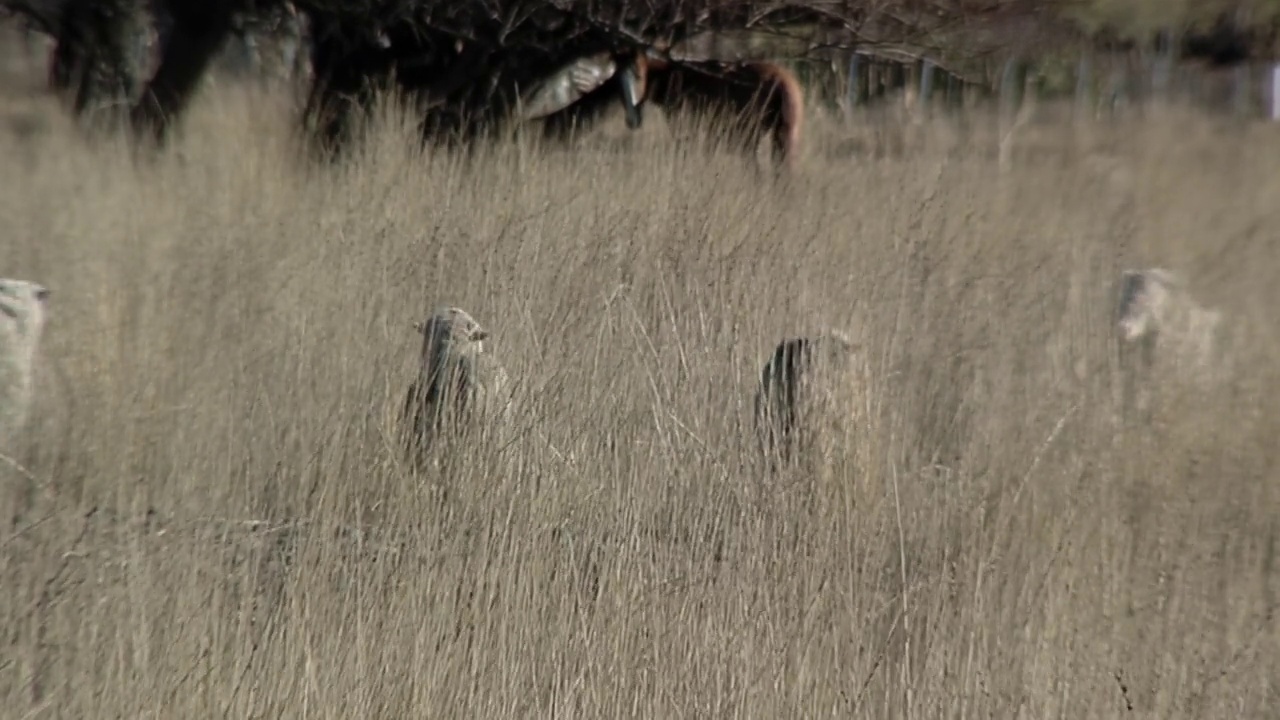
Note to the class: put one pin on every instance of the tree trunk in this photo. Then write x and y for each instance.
(345, 73)
(198, 32)
(96, 56)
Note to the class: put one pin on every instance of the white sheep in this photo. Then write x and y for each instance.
(459, 384)
(809, 386)
(1164, 331)
(22, 318)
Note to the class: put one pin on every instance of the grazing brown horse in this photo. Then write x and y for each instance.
(758, 97)
(580, 93)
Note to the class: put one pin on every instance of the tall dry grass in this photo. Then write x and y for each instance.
(212, 518)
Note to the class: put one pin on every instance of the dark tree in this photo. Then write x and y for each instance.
(195, 30)
(463, 63)
(96, 58)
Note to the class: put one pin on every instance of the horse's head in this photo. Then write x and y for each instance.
(634, 75)
(636, 72)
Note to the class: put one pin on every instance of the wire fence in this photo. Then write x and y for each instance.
(1094, 82)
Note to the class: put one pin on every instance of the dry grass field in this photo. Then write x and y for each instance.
(209, 516)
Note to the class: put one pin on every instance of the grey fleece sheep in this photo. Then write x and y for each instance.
(1157, 314)
(22, 317)
(459, 384)
(808, 383)
(1164, 332)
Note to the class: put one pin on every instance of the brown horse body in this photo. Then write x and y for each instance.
(758, 98)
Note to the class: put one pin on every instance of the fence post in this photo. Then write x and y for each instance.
(926, 83)
(1118, 89)
(854, 87)
(1084, 82)
(956, 89)
(1241, 90)
(1275, 91)
(1162, 68)
(1009, 88)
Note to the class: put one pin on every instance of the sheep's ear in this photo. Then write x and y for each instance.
(479, 334)
(1133, 282)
